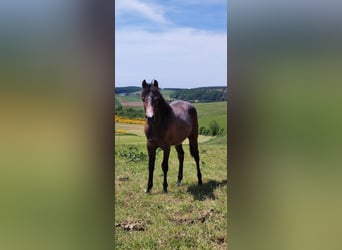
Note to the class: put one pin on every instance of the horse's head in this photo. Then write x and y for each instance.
(150, 96)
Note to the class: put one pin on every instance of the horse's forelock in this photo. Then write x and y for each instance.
(150, 88)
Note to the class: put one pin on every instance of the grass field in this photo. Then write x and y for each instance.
(128, 98)
(117, 103)
(189, 216)
(165, 92)
(207, 112)
(135, 96)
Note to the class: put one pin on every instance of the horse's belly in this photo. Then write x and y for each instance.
(176, 141)
(177, 136)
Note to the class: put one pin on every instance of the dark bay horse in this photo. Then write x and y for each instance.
(167, 125)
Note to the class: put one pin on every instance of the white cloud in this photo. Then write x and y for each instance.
(150, 11)
(176, 58)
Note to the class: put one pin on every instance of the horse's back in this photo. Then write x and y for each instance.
(184, 110)
(184, 105)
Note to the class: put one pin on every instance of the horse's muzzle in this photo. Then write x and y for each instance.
(149, 118)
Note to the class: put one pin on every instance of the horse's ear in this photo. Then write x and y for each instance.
(144, 84)
(155, 83)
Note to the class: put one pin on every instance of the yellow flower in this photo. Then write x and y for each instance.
(120, 131)
(129, 120)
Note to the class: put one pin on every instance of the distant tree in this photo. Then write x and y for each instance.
(127, 90)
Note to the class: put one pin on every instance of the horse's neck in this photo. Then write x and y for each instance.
(161, 119)
(165, 110)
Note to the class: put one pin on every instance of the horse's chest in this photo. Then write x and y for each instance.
(154, 135)
(160, 138)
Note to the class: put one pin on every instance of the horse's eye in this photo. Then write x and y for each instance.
(143, 99)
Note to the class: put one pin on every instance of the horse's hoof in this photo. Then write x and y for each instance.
(148, 191)
(200, 183)
(164, 191)
(178, 183)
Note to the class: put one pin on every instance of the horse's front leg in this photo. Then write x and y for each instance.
(151, 159)
(165, 166)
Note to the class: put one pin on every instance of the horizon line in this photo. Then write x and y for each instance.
(132, 85)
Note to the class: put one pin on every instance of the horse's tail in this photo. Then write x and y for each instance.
(194, 119)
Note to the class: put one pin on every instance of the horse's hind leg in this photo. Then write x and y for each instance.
(194, 152)
(165, 166)
(180, 153)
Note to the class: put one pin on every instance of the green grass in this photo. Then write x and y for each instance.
(189, 216)
(128, 98)
(135, 96)
(136, 107)
(137, 136)
(117, 103)
(166, 93)
(207, 112)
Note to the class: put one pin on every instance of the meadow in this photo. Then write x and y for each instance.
(207, 112)
(135, 97)
(189, 216)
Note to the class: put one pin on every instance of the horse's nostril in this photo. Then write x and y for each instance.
(150, 118)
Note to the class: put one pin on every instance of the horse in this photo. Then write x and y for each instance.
(168, 125)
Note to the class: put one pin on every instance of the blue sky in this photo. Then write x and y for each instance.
(179, 43)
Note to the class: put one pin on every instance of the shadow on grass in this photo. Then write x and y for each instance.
(206, 190)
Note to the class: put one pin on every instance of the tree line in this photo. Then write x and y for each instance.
(200, 95)
(127, 90)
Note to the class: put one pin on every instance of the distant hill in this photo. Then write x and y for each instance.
(201, 94)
